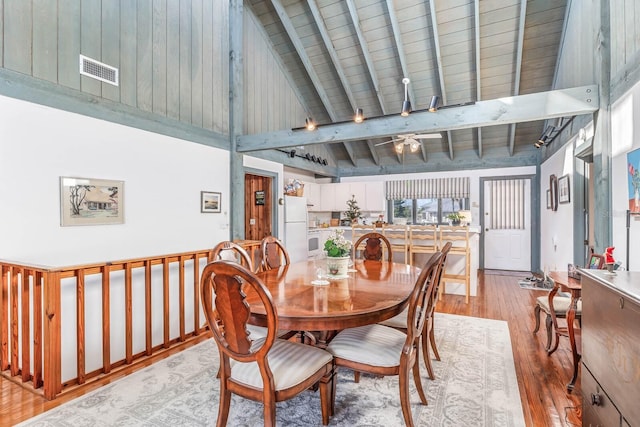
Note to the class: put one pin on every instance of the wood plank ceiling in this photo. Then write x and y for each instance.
(348, 54)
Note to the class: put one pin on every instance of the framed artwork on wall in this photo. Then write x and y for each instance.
(210, 202)
(90, 201)
(563, 189)
(553, 189)
(548, 199)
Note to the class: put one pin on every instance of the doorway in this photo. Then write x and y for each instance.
(258, 206)
(506, 222)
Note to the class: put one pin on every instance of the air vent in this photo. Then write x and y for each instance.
(97, 70)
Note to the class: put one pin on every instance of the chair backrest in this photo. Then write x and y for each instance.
(274, 254)
(441, 268)
(423, 237)
(396, 231)
(232, 252)
(223, 289)
(420, 301)
(373, 248)
(458, 235)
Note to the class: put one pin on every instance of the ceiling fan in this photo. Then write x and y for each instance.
(410, 140)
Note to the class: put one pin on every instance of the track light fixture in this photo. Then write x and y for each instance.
(546, 137)
(309, 123)
(359, 116)
(406, 104)
(433, 105)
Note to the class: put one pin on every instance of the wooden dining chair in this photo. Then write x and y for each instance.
(359, 230)
(267, 370)
(428, 338)
(381, 350)
(274, 254)
(423, 239)
(231, 251)
(555, 305)
(372, 246)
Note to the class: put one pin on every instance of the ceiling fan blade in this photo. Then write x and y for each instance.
(387, 142)
(428, 136)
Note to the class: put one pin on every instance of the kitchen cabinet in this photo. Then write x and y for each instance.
(374, 197)
(333, 197)
(312, 193)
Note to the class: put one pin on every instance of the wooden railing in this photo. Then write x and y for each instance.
(36, 302)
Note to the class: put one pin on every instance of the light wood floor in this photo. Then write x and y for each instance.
(542, 379)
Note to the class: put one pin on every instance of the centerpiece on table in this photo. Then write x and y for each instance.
(338, 251)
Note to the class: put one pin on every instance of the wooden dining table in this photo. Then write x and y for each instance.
(372, 291)
(574, 287)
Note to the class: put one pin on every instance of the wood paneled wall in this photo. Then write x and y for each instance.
(260, 213)
(172, 55)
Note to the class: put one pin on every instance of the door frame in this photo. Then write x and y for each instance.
(275, 182)
(535, 216)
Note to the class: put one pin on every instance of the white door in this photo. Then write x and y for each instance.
(507, 224)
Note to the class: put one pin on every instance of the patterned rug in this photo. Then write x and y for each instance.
(475, 385)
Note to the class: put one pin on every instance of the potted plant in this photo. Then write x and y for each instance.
(353, 213)
(455, 218)
(338, 250)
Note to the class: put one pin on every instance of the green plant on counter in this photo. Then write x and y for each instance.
(354, 211)
(455, 217)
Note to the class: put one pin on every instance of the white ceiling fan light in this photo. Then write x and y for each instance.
(411, 140)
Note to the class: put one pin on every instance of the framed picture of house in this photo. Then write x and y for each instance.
(563, 189)
(209, 202)
(90, 201)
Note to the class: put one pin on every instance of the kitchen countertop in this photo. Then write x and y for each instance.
(472, 228)
(624, 282)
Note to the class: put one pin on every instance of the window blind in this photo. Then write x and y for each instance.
(433, 188)
(507, 204)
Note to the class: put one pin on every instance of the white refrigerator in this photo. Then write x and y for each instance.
(295, 227)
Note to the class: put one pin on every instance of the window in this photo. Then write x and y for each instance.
(426, 211)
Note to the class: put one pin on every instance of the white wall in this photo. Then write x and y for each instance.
(556, 227)
(625, 113)
(162, 176)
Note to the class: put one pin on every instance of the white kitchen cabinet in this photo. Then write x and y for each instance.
(343, 193)
(374, 197)
(327, 198)
(312, 193)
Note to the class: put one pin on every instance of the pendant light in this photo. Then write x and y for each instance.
(406, 105)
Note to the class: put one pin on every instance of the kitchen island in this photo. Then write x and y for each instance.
(455, 263)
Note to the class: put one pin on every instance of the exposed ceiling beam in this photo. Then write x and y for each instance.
(436, 45)
(397, 35)
(328, 45)
(374, 153)
(365, 52)
(501, 111)
(518, 70)
(476, 19)
(304, 58)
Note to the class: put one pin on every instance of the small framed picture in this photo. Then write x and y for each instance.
(563, 189)
(548, 199)
(209, 202)
(90, 201)
(259, 198)
(595, 261)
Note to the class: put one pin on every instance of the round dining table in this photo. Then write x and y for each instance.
(372, 291)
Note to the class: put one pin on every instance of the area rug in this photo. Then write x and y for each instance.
(475, 385)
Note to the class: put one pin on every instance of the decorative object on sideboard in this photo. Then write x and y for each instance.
(455, 218)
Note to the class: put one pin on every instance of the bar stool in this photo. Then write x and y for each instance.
(398, 236)
(459, 238)
(423, 239)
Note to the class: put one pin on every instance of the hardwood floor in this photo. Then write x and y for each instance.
(542, 379)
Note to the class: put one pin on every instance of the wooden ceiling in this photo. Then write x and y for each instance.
(348, 54)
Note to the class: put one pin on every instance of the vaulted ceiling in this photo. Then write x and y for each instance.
(348, 54)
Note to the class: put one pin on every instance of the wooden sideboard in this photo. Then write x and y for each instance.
(610, 348)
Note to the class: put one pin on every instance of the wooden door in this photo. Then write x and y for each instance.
(258, 205)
